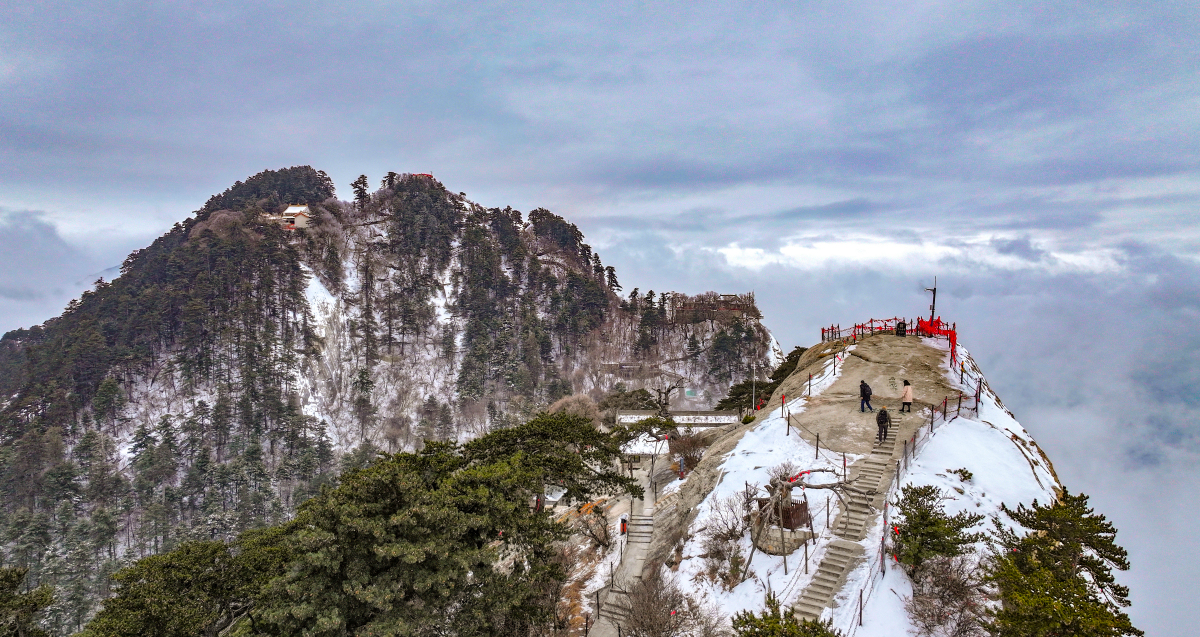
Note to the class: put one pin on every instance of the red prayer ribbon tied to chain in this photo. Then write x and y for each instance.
(938, 327)
(797, 476)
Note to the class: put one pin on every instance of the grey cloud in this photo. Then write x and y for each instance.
(40, 268)
(1094, 168)
(20, 293)
(973, 80)
(858, 207)
(1022, 248)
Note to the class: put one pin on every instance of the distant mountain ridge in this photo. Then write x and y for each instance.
(236, 365)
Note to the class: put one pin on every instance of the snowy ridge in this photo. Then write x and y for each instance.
(1008, 469)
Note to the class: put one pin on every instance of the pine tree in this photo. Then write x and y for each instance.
(1057, 579)
(108, 401)
(432, 526)
(19, 611)
(364, 410)
(611, 274)
(200, 588)
(361, 196)
(923, 530)
(445, 423)
(773, 623)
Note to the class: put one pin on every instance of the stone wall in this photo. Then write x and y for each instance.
(769, 541)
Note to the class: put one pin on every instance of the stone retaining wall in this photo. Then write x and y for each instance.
(769, 540)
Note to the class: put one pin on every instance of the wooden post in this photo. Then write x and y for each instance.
(782, 541)
(843, 465)
(958, 412)
(818, 451)
(811, 531)
(860, 607)
(810, 385)
(826, 512)
(805, 558)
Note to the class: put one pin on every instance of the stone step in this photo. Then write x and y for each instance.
(614, 616)
(837, 562)
(829, 581)
(809, 610)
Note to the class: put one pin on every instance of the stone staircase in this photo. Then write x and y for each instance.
(840, 557)
(614, 604)
(641, 529)
(872, 473)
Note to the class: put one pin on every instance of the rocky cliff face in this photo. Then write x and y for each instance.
(237, 365)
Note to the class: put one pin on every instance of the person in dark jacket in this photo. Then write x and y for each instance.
(884, 420)
(864, 391)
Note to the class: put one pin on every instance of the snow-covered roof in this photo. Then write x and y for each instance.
(295, 210)
(644, 445)
(690, 418)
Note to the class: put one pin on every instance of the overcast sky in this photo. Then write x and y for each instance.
(1042, 160)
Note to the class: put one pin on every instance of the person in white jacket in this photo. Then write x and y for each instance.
(906, 398)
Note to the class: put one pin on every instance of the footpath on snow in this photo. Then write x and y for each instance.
(820, 426)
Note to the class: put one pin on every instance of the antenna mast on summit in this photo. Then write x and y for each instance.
(933, 304)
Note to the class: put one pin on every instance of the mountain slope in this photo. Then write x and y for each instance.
(237, 365)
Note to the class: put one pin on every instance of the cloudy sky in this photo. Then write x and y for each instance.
(1042, 160)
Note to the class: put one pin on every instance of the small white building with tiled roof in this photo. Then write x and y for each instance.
(296, 216)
